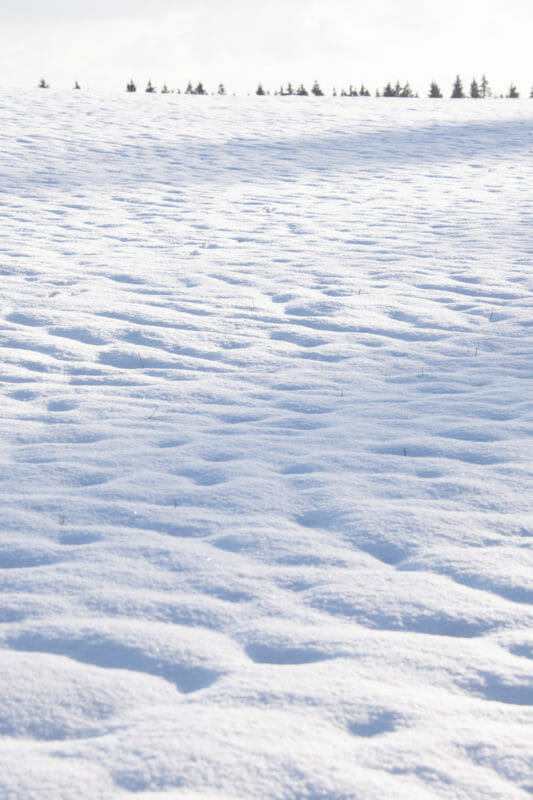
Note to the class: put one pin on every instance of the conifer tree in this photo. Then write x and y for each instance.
(457, 90)
(131, 87)
(484, 89)
(221, 89)
(434, 90)
(76, 85)
(388, 91)
(200, 89)
(149, 88)
(165, 89)
(474, 90)
(302, 91)
(513, 92)
(43, 84)
(189, 89)
(406, 91)
(260, 91)
(316, 90)
(363, 91)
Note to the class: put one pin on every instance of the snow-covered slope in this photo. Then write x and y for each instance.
(266, 373)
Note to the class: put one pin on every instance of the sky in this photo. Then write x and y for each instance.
(104, 43)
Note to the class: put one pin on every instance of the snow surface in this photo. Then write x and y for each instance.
(266, 448)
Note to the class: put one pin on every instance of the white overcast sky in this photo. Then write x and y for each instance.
(102, 43)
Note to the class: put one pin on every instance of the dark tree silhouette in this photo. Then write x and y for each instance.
(302, 91)
(484, 89)
(316, 90)
(131, 87)
(474, 90)
(165, 89)
(76, 85)
(260, 91)
(43, 84)
(351, 92)
(513, 92)
(397, 90)
(434, 90)
(363, 91)
(189, 89)
(149, 88)
(457, 90)
(200, 89)
(221, 89)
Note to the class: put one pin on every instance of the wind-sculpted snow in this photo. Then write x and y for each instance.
(266, 371)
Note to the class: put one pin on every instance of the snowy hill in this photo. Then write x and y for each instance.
(266, 464)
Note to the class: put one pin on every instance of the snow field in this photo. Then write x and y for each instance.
(266, 448)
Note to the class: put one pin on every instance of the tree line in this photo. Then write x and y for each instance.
(476, 90)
